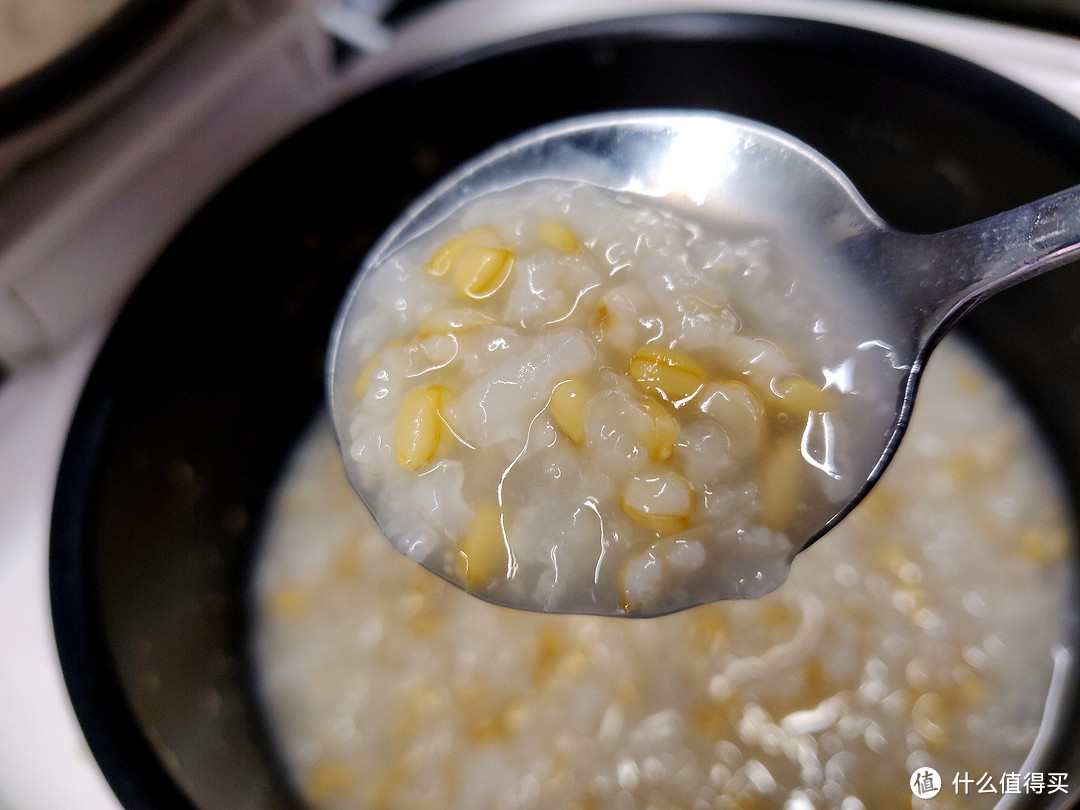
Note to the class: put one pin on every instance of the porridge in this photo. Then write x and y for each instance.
(918, 633)
(574, 400)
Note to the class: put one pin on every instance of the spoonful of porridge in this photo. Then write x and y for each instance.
(635, 362)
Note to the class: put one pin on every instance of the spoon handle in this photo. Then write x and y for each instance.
(940, 276)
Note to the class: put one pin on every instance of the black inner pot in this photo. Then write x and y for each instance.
(215, 365)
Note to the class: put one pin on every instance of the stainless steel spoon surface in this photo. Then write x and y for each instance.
(735, 170)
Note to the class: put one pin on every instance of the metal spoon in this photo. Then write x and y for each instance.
(914, 287)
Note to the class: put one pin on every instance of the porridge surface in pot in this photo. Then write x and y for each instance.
(917, 633)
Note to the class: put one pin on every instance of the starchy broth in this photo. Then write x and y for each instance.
(575, 400)
(918, 632)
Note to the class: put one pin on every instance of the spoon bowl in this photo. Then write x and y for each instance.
(902, 290)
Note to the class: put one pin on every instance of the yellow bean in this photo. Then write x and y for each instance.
(290, 601)
(661, 504)
(483, 555)
(443, 259)
(667, 373)
(480, 271)
(568, 401)
(928, 718)
(363, 379)
(330, 780)
(1043, 545)
(795, 396)
(557, 236)
(664, 433)
(780, 490)
(601, 318)
(419, 426)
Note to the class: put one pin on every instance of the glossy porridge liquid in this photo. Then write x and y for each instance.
(919, 632)
(574, 400)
